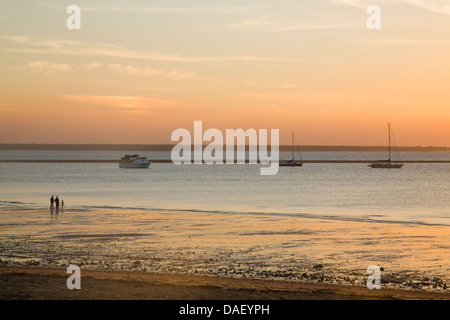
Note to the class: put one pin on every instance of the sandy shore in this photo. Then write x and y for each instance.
(143, 254)
(36, 283)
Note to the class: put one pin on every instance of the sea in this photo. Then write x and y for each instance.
(419, 192)
(228, 219)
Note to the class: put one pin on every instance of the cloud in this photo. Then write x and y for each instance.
(438, 6)
(254, 22)
(220, 10)
(408, 41)
(47, 43)
(180, 75)
(269, 23)
(129, 103)
(92, 66)
(49, 67)
(291, 85)
(353, 3)
(66, 47)
(305, 27)
(63, 8)
(132, 70)
(208, 10)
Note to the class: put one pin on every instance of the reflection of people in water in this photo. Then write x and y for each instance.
(51, 202)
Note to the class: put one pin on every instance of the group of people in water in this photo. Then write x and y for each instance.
(55, 202)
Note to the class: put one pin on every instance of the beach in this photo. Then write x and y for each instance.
(197, 255)
(35, 283)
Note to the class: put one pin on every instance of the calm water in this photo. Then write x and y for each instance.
(229, 220)
(418, 193)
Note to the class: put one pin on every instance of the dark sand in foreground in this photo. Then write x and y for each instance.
(35, 283)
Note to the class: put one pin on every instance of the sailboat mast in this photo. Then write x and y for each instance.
(292, 145)
(389, 133)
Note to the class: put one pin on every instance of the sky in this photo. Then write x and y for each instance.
(138, 70)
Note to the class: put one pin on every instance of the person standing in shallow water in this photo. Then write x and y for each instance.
(52, 200)
(57, 202)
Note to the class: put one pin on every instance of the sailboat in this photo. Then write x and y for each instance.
(387, 164)
(293, 162)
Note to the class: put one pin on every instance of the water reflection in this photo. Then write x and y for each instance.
(54, 213)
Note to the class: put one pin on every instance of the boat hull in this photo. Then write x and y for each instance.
(385, 165)
(126, 165)
(290, 164)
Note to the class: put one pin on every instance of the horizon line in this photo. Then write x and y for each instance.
(166, 146)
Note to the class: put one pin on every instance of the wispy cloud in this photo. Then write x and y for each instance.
(92, 66)
(221, 10)
(309, 27)
(353, 3)
(180, 75)
(408, 41)
(133, 70)
(272, 24)
(291, 85)
(67, 47)
(51, 68)
(205, 10)
(254, 22)
(60, 7)
(438, 6)
(48, 67)
(41, 42)
(128, 103)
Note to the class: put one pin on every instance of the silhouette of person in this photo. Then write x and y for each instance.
(51, 202)
(57, 202)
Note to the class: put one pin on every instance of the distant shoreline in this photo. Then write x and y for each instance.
(170, 161)
(169, 147)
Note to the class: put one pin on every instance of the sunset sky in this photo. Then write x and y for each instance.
(137, 70)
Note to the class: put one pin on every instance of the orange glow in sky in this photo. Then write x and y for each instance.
(136, 71)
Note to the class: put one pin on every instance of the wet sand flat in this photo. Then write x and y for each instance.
(231, 249)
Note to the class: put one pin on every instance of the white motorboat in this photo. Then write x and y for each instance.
(134, 161)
